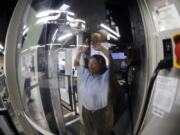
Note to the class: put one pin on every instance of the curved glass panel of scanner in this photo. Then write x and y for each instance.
(52, 88)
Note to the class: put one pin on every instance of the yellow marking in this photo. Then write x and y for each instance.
(176, 63)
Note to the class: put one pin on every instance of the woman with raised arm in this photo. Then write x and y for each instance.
(97, 111)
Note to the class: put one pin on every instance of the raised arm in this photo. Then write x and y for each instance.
(98, 37)
(99, 47)
(80, 50)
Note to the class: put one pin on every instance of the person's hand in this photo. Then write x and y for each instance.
(97, 47)
(83, 49)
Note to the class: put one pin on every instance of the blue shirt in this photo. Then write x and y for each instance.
(93, 90)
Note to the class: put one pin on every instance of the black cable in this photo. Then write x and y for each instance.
(163, 64)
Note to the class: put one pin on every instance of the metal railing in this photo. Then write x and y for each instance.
(69, 83)
(5, 106)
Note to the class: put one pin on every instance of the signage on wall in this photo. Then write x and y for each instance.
(165, 91)
(160, 4)
(166, 18)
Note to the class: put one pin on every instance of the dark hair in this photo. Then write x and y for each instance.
(101, 60)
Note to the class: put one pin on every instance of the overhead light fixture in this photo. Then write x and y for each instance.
(111, 36)
(109, 29)
(47, 13)
(76, 22)
(64, 36)
(70, 13)
(64, 7)
(81, 45)
(48, 18)
(50, 12)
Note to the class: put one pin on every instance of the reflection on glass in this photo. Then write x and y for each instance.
(97, 111)
(64, 68)
(27, 84)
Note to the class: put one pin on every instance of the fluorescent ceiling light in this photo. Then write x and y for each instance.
(111, 36)
(82, 45)
(65, 36)
(48, 18)
(1, 46)
(109, 29)
(76, 22)
(71, 19)
(47, 12)
(64, 7)
(70, 13)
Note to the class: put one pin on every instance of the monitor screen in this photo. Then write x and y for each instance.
(119, 55)
(93, 52)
